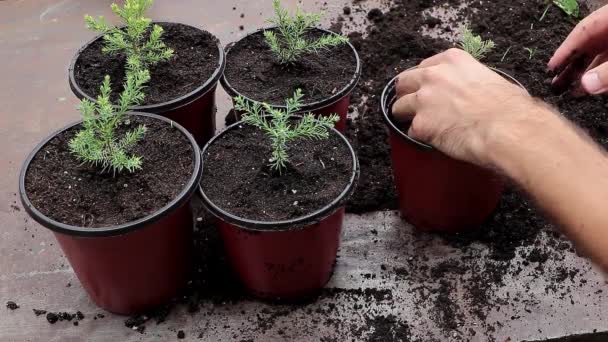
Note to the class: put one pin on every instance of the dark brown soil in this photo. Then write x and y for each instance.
(12, 305)
(253, 71)
(237, 178)
(54, 317)
(194, 61)
(393, 44)
(67, 191)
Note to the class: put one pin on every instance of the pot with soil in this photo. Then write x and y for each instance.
(280, 225)
(115, 190)
(436, 192)
(260, 71)
(183, 84)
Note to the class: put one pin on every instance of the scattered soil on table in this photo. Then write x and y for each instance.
(54, 317)
(253, 71)
(237, 178)
(12, 305)
(65, 190)
(393, 43)
(195, 59)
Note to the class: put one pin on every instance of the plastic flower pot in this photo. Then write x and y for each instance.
(195, 110)
(436, 192)
(134, 266)
(336, 103)
(284, 260)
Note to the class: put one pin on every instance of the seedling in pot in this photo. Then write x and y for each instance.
(474, 44)
(97, 143)
(282, 125)
(290, 42)
(130, 40)
(531, 52)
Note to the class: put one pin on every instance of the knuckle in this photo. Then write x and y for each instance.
(432, 74)
(454, 54)
(423, 95)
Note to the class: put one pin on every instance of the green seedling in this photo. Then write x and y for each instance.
(281, 126)
(570, 7)
(97, 143)
(474, 45)
(289, 43)
(531, 52)
(131, 40)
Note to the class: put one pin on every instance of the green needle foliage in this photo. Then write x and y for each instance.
(570, 7)
(279, 125)
(290, 43)
(531, 52)
(97, 143)
(474, 45)
(130, 40)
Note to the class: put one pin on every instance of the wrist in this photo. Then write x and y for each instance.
(526, 130)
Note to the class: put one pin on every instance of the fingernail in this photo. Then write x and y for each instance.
(591, 82)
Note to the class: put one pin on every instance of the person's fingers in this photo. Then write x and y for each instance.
(408, 82)
(404, 109)
(447, 56)
(578, 90)
(587, 38)
(600, 59)
(570, 75)
(595, 81)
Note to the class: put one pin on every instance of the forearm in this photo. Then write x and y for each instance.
(564, 171)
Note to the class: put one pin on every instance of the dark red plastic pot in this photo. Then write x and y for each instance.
(436, 192)
(195, 111)
(337, 103)
(135, 266)
(284, 259)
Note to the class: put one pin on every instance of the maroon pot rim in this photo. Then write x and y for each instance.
(128, 227)
(285, 225)
(387, 99)
(163, 106)
(306, 106)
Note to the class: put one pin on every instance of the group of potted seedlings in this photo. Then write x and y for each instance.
(115, 187)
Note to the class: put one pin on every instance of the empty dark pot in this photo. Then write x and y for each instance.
(284, 259)
(135, 266)
(195, 111)
(336, 103)
(436, 192)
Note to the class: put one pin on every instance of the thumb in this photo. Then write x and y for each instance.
(595, 81)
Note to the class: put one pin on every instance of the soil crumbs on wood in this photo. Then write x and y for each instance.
(65, 190)
(516, 242)
(392, 43)
(251, 67)
(195, 58)
(238, 179)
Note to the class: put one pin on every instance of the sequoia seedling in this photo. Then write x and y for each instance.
(97, 143)
(291, 43)
(474, 45)
(279, 126)
(130, 40)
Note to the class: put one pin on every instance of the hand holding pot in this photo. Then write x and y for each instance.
(455, 103)
(583, 55)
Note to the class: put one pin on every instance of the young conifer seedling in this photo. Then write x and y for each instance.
(290, 42)
(130, 40)
(474, 45)
(281, 126)
(97, 143)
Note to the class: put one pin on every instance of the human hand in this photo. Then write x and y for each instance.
(456, 104)
(583, 55)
